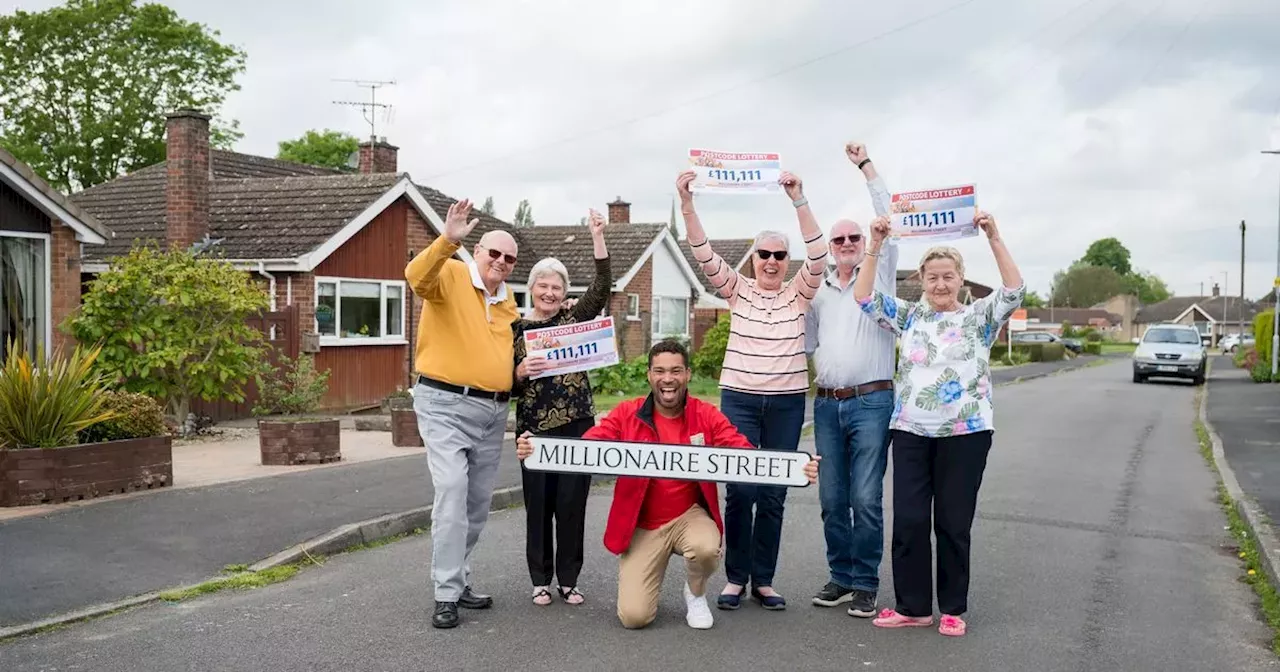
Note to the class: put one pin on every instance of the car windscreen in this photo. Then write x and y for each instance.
(1182, 336)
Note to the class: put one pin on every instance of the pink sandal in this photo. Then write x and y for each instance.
(951, 626)
(892, 619)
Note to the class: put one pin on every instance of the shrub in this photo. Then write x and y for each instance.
(1042, 352)
(1015, 358)
(1262, 324)
(1245, 358)
(1067, 330)
(293, 388)
(137, 416)
(47, 405)
(710, 357)
(629, 377)
(1261, 372)
(1094, 336)
(1093, 348)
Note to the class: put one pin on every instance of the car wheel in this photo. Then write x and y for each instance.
(1137, 378)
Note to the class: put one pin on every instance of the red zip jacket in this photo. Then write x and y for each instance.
(632, 420)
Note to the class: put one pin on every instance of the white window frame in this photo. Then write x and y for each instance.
(633, 307)
(657, 317)
(385, 339)
(48, 283)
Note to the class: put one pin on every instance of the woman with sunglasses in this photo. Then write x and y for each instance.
(559, 405)
(764, 379)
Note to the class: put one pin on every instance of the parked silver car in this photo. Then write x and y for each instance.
(1170, 351)
(1232, 342)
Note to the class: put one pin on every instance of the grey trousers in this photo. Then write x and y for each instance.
(463, 436)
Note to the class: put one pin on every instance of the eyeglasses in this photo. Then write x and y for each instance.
(494, 254)
(780, 255)
(853, 239)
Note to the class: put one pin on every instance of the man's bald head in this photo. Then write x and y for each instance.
(848, 244)
(496, 257)
(498, 239)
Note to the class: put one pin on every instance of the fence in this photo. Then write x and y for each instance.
(281, 331)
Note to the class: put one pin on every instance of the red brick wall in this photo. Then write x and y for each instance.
(634, 336)
(187, 178)
(65, 261)
(420, 234)
(378, 157)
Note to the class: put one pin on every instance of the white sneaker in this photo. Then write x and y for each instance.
(699, 615)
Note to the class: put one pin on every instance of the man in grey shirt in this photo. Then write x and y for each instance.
(854, 362)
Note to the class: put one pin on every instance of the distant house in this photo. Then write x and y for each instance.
(42, 238)
(331, 247)
(1052, 320)
(1215, 316)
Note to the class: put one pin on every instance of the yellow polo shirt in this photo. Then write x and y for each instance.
(464, 336)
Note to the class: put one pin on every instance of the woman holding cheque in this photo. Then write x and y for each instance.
(942, 421)
(764, 379)
(559, 405)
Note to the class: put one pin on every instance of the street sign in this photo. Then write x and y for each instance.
(1019, 320)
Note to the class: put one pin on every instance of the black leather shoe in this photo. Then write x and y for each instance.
(470, 600)
(446, 615)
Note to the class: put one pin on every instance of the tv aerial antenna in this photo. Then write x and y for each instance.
(369, 110)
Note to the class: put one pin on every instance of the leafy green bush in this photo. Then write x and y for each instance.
(1261, 372)
(1042, 352)
(1262, 325)
(710, 357)
(137, 416)
(1093, 348)
(293, 388)
(629, 377)
(1018, 356)
(47, 405)
(1093, 336)
(1245, 357)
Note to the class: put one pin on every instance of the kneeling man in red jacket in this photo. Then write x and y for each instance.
(653, 518)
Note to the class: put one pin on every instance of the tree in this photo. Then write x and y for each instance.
(1147, 287)
(487, 208)
(1109, 253)
(1032, 300)
(84, 86)
(1083, 286)
(328, 149)
(524, 214)
(173, 326)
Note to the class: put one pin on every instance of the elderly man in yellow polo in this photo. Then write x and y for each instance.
(464, 364)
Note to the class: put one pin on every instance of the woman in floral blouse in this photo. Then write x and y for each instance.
(557, 406)
(942, 421)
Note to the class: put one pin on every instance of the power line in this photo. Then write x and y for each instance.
(708, 96)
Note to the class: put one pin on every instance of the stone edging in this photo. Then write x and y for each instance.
(1251, 513)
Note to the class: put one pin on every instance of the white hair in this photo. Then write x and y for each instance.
(769, 235)
(545, 266)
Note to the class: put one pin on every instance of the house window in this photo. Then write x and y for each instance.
(24, 291)
(633, 306)
(670, 316)
(351, 311)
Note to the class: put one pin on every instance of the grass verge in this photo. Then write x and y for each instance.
(1118, 348)
(1269, 599)
(236, 581)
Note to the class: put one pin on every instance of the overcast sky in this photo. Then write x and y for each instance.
(1077, 119)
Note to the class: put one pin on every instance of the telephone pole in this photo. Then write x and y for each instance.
(369, 110)
(1240, 308)
(1275, 311)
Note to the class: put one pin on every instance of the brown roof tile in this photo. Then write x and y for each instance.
(53, 194)
(1078, 317)
(1212, 305)
(732, 249)
(572, 246)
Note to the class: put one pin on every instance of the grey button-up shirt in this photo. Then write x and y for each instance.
(847, 346)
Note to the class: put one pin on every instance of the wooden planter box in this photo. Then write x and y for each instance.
(30, 476)
(284, 442)
(404, 428)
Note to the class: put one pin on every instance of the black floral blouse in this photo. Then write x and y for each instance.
(547, 403)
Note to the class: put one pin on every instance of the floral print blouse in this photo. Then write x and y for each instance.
(943, 383)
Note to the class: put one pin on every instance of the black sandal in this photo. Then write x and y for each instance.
(540, 593)
(566, 594)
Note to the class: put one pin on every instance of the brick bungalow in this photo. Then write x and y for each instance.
(42, 238)
(332, 246)
(1215, 316)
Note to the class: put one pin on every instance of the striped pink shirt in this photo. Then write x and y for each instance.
(766, 353)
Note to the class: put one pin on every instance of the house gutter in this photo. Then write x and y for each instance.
(262, 269)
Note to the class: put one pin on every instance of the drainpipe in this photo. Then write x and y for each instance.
(262, 269)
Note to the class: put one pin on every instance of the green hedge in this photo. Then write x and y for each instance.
(1262, 335)
(137, 417)
(1035, 352)
(1093, 348)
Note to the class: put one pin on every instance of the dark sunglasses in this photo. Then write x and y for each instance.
(854, 239)
(494, 254)
(779, 255)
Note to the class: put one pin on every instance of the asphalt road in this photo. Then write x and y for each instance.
(1099, 546)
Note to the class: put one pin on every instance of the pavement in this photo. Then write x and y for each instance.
(1099, 545)
(99, 551)
(1247, 417)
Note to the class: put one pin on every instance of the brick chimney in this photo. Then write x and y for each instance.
(187, 178)
(376, 156)
(619, 211)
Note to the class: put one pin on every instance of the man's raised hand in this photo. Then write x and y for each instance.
(856, 151)
(456, 226)
(879, 229)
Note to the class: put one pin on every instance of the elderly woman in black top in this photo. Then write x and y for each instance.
(559, 405)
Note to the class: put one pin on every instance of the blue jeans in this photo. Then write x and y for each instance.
(852, 436)
(772, 422)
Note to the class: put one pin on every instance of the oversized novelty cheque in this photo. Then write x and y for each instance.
(581, 346)
(678, 461)
(734, 172)
(936, 214)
